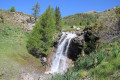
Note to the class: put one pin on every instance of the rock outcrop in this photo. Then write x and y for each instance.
(76, 46)
(26, 20)
(108, 27)
(56, 39)
(18, 19)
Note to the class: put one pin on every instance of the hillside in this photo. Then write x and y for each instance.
(81, 19)
(17, 19)
(87, 18)
(14, 57)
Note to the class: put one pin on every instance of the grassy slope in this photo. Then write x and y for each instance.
(110, 66)
(81, 19)
(13, 52)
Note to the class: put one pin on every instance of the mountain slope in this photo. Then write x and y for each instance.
(14, 57)
(81, 19)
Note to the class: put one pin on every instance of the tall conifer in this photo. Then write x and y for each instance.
(59, 21)
(41, 37)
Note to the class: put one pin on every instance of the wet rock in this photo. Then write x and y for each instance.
(78, 40)
(79, 33)
(76, 47)
(49, 59)
(56, 39)
(70, 62)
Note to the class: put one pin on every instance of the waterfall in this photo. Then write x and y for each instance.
(59, 64)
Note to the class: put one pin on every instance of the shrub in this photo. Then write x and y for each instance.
(1, 19)
(12, 9)
(70, 75)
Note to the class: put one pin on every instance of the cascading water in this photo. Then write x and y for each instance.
(59, 64)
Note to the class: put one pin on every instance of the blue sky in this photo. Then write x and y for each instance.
(67, 7)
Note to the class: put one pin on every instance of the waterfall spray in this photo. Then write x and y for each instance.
(59, 63)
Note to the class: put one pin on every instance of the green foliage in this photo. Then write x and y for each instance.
(13, 52)
(88, 61)
(59, 21)
(110, 64)
(1, 18)
(36, 10)
(117, 11)
(40, 40)
(13, 9)
(90, 39)
(70, 75)
(81, 19)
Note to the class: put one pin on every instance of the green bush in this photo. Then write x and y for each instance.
(70, 75)
(13, 9)
(117, 11)
(1, 19)
(88, 61)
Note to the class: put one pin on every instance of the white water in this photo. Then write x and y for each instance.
(59, 64)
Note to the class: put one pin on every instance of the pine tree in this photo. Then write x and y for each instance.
(40, 40)
(36, 10)
(59, 21)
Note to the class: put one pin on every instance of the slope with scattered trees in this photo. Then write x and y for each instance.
(81, 19)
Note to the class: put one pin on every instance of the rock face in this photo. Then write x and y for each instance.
(76, 46)
(27, 21)
(56, 39)
(108, 28)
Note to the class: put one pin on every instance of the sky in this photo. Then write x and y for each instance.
(67, 7)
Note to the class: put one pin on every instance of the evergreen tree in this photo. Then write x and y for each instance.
(40, 40)
(12, 9)
(36, 10)
(59, 22)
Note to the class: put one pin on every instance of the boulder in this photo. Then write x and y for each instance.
(78, 29)
(73, 26)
